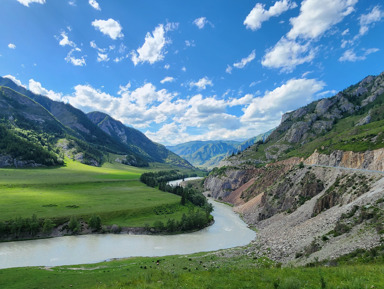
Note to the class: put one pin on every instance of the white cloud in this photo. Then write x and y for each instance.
(94, 4)
(184, 69)
(190, 43)
(243, 62)
(167, 79)
(27, 2)
(153, 47)
(167, 66)
(350, 55)
(202, 83)
(367, 20)
(15, 80)
(11, 46)
(102, 57)
(37, 88)
(316, 17)
(258, 14)
(65, 40)
(201, 22)
(287, 54)
(72, 59)
(326, 93)
(289, 96)
(345, 32)
(72, 3)
(228, 69)
(109, 27)
(245, 100)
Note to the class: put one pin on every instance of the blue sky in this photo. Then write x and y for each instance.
(191, 70)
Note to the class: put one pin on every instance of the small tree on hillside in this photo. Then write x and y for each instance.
(74, 225)
(95, 223)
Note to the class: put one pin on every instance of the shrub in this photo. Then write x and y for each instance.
(95, 223)
(74, 225)
(48, 226)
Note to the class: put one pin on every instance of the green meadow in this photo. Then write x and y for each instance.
(203, 270)
(113, 192)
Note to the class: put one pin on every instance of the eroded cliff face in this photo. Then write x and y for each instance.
(293, 206)
(369, 160)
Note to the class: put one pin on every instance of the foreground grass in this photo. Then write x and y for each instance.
(114, 192)
(194, 271)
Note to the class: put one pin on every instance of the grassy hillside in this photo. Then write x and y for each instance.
(194, 271)
(353, 120)
(113, 191)
(92, 136)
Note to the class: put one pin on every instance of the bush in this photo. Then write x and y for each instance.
(48, 226)
(74, 225)
(95, 223)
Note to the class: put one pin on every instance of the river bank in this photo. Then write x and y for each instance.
(228, 231)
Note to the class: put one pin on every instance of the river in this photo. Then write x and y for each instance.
(228, 231)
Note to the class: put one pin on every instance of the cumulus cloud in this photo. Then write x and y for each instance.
(201, 22)
(167, 79)
(287, 54)
(243, 62)
(76, 61)
(109, 27)
(317, 17)
(37, 88)
(194, 117)
(15, 80)
(11, 46)
(367, 20)
(94, 4)
(153, 47)
(294, 93)
(350, 55)
(27, 2)
(259, 14)
(202, 83)
(64, 41)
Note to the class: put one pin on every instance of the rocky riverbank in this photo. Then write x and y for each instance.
(304, 214)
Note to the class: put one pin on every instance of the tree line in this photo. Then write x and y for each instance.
(195, 219)
(31, 227)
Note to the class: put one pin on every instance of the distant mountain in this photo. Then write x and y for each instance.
(56, 126)
(208, 154)
(135, 140)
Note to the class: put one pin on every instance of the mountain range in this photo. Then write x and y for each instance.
(314, 188)
(208, 154)
(54, 129)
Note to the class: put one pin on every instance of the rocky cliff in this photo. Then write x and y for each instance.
(315, 188)
(368, 160)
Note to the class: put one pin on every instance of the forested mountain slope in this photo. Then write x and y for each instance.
(59, 128)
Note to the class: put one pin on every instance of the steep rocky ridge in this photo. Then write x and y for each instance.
(52, 126)
(348, 121)
(135, 140)
(314, 190)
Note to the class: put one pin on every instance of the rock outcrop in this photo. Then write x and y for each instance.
(368, 160)
(8, 161)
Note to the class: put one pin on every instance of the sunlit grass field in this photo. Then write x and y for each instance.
(113, 191)
(203, 270)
